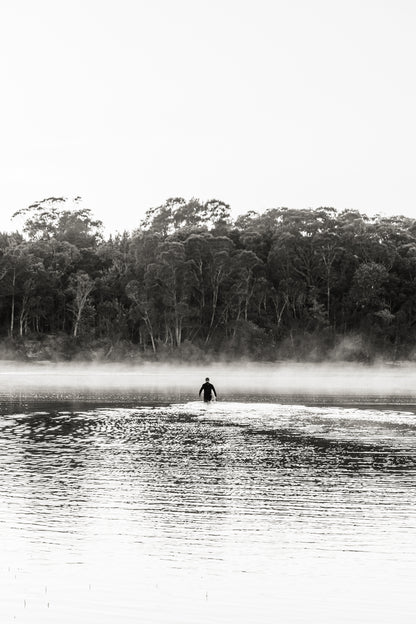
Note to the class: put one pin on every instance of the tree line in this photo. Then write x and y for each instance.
(191, 282)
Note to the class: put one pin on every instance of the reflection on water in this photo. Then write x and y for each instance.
(235, 512)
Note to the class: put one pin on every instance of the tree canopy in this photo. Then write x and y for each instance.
(192, 281)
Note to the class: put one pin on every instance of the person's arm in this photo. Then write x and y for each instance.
(202, 387)
(213, 389)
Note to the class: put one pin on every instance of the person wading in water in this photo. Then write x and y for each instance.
(208, 389)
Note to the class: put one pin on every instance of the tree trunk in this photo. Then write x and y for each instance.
(150, 330)
(76, 324)
(23, 314)
(13, 304)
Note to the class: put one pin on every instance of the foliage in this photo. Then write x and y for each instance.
(192, 283)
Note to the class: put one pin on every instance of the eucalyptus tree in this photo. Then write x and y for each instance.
(51, 218)
(246, 268)
(198, 254)
(219, 270)
(144, 308)
(80, 287)
(17, 263)
(217, 215)
(172, 282)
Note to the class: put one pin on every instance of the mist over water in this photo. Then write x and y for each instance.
(125, 499)
(231, 380)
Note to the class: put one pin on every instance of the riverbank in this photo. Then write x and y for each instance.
(61, 347)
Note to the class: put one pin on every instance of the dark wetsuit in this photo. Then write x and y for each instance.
(208, 389)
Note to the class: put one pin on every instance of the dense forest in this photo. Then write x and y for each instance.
(191, 283)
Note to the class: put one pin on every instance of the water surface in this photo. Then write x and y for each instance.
(244, 511)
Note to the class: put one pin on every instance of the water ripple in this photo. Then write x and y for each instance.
(176, 505)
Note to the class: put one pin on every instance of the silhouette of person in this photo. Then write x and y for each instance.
(208, 389)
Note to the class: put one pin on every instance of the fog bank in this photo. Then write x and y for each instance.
(269, 379)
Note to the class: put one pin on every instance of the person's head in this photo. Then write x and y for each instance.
(206, 378)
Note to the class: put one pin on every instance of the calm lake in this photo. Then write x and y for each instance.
(141, 504)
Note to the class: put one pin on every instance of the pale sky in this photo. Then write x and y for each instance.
(266, 103)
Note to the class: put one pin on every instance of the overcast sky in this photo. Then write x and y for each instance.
(298, 103)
